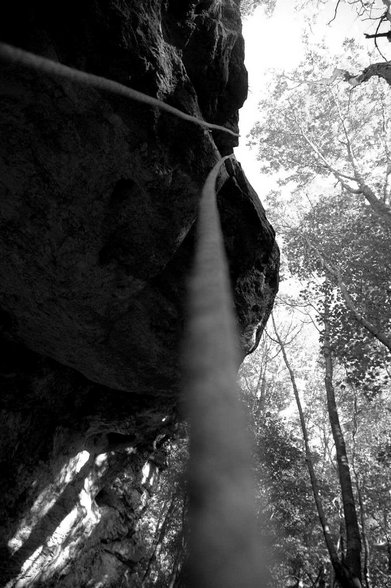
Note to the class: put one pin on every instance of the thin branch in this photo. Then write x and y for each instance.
(338, 175)
(335, 12)
(378, 26)
(386, 150)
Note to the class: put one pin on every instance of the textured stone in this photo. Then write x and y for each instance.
(99, 194)
(98, 203)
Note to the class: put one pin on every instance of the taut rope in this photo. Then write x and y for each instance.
(14, 55)
(224, 549)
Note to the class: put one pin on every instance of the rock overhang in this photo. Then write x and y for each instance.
(100, 195)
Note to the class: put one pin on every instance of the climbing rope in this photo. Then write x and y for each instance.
(224, 549)
(15, 56)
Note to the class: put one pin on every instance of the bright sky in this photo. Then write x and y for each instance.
(276, 42)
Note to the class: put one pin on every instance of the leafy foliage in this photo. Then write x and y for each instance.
(247, 7)
(162, 521)
(315, 125)
(328, 147)
(332, 145)
(353, 241)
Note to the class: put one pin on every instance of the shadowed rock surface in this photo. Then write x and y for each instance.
(98, 203)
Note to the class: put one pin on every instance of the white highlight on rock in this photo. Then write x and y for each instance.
(47, 499)
(146, 472)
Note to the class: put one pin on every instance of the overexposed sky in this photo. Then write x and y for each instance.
(276, 42)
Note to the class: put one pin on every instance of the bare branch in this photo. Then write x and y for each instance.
(335, 12)
(325, 163)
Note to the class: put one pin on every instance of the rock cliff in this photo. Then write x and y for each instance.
(98, 204)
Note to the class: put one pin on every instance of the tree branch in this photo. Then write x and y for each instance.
(309, 460)
(335, 273)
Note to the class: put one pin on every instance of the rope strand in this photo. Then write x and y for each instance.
(14, 55)
(224, 549)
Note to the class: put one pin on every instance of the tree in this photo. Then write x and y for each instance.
(340, 239)
(321, 137)
(163, 520)
(363, 424)
(353, 539)
(314, 126)
(247, 7)
(347, 570)
(329, 145)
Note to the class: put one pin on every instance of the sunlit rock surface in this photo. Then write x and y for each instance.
(98, 204)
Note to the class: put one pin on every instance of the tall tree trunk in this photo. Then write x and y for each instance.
(344, 577)
(389, 555)
(353, 539)
(385, 520)
(308, 457)
(378, 206)
(366, 562)
(259, 402)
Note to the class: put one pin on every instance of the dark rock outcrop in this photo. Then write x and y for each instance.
(98, 203)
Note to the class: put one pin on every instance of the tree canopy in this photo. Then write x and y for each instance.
(326, 143)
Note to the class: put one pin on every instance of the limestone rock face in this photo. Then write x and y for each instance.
(99, 199)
